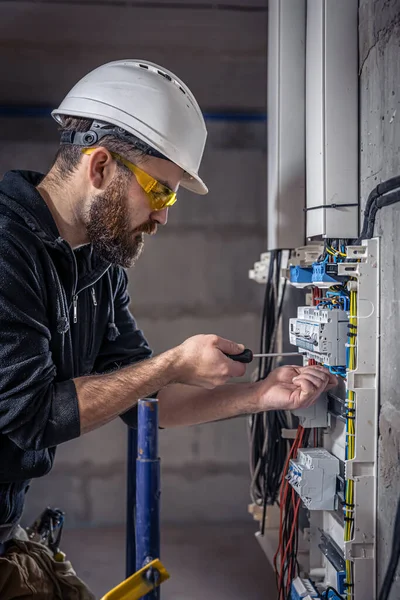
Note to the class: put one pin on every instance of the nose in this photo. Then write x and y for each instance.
(160, 216)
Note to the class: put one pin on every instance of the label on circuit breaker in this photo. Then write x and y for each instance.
(320, 334)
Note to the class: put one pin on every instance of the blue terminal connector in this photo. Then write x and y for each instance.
(331, 595)
(301, 275)
(322, 273)
(341, 582)
(303, 588)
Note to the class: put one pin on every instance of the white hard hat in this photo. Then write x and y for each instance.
(149, 102)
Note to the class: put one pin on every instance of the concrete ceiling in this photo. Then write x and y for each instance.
(46, 46)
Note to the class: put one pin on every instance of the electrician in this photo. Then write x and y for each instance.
(71, 355)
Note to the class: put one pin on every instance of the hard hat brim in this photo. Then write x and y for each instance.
(194, 184)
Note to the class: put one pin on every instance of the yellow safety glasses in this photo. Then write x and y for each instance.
(159, 195)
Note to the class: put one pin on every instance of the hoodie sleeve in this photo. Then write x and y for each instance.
(130, 346)
(36, 412)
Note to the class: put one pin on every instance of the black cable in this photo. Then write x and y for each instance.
(387, 200)
(394, 558)
(268, 449)
(373, 204)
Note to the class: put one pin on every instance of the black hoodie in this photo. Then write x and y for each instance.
(63, 314)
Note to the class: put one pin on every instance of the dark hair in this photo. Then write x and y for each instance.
(69, 156)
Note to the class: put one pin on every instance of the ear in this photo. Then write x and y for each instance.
(101, 168)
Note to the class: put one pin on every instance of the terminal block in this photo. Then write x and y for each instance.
(300, 276)
(313, 476)
(320, 334)
(302, 589)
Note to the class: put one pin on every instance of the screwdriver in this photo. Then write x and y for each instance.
(247, 355)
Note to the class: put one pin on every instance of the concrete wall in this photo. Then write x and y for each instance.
(380, 160)
(192, 278)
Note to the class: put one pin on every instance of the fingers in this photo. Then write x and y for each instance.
(307, 393)
(227, 346)
(231, 368)
(312, 382)
(318, 382)
(318, 371)
(333, 380)
(237, 369)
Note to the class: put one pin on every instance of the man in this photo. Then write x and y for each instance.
(71, 356)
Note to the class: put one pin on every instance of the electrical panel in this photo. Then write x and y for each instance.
(333, 475)
(320, 334)
(313, 476)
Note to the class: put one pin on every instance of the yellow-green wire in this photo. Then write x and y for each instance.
(334, 252)
(349, 510)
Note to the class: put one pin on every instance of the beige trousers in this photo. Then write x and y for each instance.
(29, 572)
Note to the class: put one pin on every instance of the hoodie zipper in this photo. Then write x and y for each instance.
(75, 307)
(94, 297)
(93, 328)
(75, 301)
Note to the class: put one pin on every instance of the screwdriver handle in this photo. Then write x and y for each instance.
(244, 357)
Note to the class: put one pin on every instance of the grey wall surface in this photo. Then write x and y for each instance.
(380, 160)
(192, 277)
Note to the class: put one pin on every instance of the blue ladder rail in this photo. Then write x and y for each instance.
(144, 514)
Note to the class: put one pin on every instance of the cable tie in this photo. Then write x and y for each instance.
(326, 206)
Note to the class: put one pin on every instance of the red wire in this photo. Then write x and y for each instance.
(290, 542)
(285, 486)
(283, 494)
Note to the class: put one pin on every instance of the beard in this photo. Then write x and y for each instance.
(109, 229)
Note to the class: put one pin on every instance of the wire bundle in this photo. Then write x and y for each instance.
(285, 559)
(350, 442)
(385, 194)
(334, 251)
(268, 450)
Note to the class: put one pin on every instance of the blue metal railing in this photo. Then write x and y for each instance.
(147, 488)
(131, 503)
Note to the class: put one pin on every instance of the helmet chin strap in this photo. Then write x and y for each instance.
(99, 130)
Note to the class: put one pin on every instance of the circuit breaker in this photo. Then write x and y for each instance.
(320, 334)
(313, 476)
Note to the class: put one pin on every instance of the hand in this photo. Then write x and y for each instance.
(289, 388)
(201, 361)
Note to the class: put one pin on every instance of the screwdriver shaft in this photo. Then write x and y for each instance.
(276, 354)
